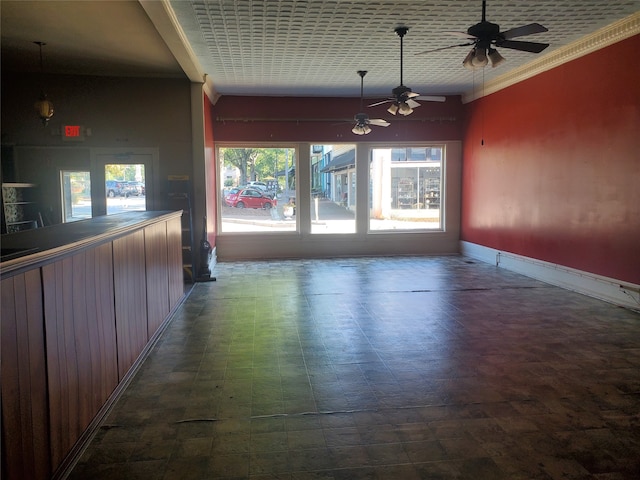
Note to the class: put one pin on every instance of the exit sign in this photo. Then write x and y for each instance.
(72, 130)
(73, 133)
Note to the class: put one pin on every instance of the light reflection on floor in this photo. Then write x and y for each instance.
(380, 368)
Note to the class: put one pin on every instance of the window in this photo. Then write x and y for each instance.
(258, 191)
(405, 186)
(125, 187)
(76, 195)
(333, 189)
(392, 198)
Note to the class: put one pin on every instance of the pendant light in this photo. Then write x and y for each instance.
(43, 106)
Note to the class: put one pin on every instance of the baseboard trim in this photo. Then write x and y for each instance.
(614, 291)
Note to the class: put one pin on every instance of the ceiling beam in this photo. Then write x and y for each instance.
(164, 19)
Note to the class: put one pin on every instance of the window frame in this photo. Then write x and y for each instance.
(219, 188)
(407, 163)
(301, 243)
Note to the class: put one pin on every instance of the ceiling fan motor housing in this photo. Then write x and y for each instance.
(401, 91)
(361, 118)
(485, 32)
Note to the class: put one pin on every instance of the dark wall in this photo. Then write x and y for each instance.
(122, 113)
(558, 176)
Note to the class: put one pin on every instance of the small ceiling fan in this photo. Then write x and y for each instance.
(484, 36)
(362, 119)
(403, 100)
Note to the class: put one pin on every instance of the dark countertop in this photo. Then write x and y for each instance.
(24, 250)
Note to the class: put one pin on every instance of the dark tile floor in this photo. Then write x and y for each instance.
(383, 368)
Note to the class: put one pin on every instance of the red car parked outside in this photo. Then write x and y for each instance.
(250, 198)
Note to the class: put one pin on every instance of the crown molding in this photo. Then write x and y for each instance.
(617, 31)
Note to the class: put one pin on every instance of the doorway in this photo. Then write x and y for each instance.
(123, 180)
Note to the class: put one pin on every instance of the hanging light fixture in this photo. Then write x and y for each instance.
(361, 129)
(467, 62)
(495, 58)
(479, 57)
(43, 106)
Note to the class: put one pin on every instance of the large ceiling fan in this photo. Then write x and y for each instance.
(484, 36)
(403, 100)
(362, 119)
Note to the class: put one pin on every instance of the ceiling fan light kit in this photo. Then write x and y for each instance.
(361, 129)
(479, 58)
(405, 109)
(495, 58)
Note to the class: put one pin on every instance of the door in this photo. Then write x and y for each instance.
(123, 180)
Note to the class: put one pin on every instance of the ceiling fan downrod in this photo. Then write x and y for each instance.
(362, 73)
(401, 32)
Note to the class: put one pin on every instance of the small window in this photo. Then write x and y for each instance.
(76, 195)
(333, 189)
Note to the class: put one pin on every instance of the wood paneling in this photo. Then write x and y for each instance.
(81, 343)
(71, 330)
(174, 248)
(25, 446)
(157, 268)
(130, 288)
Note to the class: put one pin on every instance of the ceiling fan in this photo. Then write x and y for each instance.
(403, 100)
(484, 36)
(362, 119)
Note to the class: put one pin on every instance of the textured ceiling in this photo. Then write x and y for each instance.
(286, 47)
(292, 47)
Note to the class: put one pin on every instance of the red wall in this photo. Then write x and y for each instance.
(317, 120)
(558, 176)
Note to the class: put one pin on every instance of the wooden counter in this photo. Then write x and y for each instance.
(80, 303)
(42, 245)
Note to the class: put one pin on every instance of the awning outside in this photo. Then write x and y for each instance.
(342, 161)
(282, 173)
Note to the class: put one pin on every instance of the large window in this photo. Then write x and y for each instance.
(405, 188)
(333, 188)
(258, 189)
(337, 199)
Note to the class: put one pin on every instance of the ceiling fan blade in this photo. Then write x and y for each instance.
(460, 34)
(524, 30)
(380, 103)
(412, 103)
(431, 98)
(379, 122)
(532, 47)
(446, 48)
